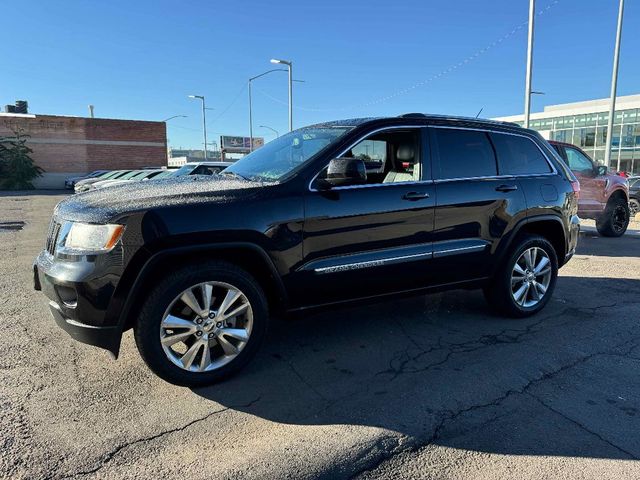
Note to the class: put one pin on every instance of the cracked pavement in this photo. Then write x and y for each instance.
(427, 387)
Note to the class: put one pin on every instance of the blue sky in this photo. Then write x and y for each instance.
(140, 59)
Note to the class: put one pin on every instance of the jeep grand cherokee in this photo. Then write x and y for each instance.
(330, 213)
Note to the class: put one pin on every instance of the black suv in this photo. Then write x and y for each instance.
(335, 212)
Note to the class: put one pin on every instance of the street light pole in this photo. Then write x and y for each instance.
(204, 122)
(527, 88)
(250, 120)
(614, 85)
(250, 108)
(269, 128)
(175, 116)
(289, 65)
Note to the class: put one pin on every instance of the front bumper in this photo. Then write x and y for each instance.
(80, 292)
(574, 234)
(104, 337)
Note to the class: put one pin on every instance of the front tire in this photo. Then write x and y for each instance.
(524, 283)
(201, 324)
(634, 207)
(615, 219)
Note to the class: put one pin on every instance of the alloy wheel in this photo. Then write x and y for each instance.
(530, 277)
(206, 326)
(619, 220)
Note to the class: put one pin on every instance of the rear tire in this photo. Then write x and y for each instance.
(222, 336)
(525, 281)
(613, 222)
(634, 207)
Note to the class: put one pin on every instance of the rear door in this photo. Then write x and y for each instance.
(520, 156)
(476, 204)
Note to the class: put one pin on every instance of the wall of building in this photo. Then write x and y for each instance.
(64, 146)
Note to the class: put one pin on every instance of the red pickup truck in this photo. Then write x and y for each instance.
(604, 196)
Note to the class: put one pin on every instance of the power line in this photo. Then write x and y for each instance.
(235, 99)
(421, 83)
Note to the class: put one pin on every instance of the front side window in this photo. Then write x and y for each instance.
(518, 155)
(463, 154)
(391, 156)
(286, 154)
(205, 170)
(578, 161)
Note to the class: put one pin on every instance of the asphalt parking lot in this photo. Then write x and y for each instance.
(428, 387)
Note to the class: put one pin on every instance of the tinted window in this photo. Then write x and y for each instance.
(464, 153)
(518, 155)
(577, 160)
(203, 170)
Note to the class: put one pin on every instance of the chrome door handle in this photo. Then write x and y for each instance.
(413, 196)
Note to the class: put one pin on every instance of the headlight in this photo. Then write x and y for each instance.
(84, 238)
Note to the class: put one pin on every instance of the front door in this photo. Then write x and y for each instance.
(365, 240)
(592, 187)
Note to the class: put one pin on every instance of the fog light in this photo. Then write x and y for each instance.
(68, 295)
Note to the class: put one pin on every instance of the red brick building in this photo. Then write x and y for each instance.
(64, 146)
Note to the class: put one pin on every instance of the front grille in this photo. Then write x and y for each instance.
(52, 237)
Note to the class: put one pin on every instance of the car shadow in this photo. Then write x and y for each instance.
(34, 193)
(443, 369)
(593, 244)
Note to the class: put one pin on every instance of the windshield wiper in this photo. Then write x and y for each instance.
(234, 174)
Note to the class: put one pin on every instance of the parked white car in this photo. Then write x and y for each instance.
(134, 176)
(201, 168)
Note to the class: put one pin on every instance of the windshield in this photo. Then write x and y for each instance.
(165, 174)
(283, 155)
(186, 169)
(129, 175)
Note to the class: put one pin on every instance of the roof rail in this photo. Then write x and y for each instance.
(412, 115)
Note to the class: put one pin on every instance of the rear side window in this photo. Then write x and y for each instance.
(463, 154)
(518, 155)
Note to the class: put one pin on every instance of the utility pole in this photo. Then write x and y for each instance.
(527, 93)
(614, 86)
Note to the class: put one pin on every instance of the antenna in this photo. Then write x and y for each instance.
(479, 112)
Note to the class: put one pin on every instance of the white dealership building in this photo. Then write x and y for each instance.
(585, 124)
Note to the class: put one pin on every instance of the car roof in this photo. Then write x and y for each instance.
(212, 164)
(415, 118)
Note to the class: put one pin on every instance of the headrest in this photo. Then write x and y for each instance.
(405, 152)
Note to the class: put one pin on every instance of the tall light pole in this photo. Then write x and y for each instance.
(272, 129)
(250, 107)
(204, 122)
(175, 116)
(289, 65)
(527, 88)
(614, 86)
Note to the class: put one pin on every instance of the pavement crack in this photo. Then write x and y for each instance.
(448, 416)
(582, 426)
(303, 380)
(106, 458)
(505, 336)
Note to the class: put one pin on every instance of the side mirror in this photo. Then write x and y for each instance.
(344, 171)
(601, 170)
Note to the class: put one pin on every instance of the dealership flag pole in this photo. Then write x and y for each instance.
(527, 93)
(614, 84)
